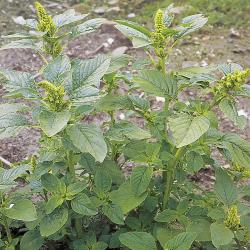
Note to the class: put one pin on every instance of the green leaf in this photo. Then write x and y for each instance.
(103, 180)
(53, 203)
(126, 198)
(114, 171)
(53, 222)
(88, 139)
(225, 188)
(126, 130)
(89, 71)
(10, 122)
(140, 179)
(31, 240)
(182, 241)
(202, 228)
(138, 241)
(187, 129)
(139, 36)
(220, 234)
(228, 108)
(75, 188)
(21, 210)
(86, 27)
(238, 149)
(194, 162)
(23, 44)
(114, 213)
(66, 18)
(83, 205)
(53, 122)
(52, 184)
(190, 24)
(7, 176)
(229, 68)
(58, 70)
(166, 216)
(156, 83)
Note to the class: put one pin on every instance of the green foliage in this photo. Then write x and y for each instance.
(79, 190)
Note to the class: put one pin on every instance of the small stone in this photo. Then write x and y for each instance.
(131, 15)
(121, 116)
(204, 63)
(115, 9)
(160, 99)
(110, 40)
(242, 112)
(100, 10)
(234, 33)
(19, 20)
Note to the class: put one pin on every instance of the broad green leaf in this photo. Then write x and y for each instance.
(166, 216)
(19, 82)
(139, 36)
(8, 108)
(21, 210)
(126, 130)
(225, 188)
(117, 62)
(10, 122)
(238, 148)
(113, 102)
(202, 228)
(140, 179)
(194, 162)
(66, 18)
(187, 129)
(31, 240)
(53, 222)
(169, 15)
(190, 24)
(114, 171)
(89, 71)
(23, 44)
(83, 205)
(229, 68)
(102, 180)
(228, 108)
(53, 122)
(220, 234)
(7, 176)
(100, 245)
(52, 184)
(53, 203)
(114, 213)
(86, 27)
(138, 241)
(182, 241)
(156, 83)
(164, 234)
(75, 188)
(58, 71)
(88, 139)
(126, 198)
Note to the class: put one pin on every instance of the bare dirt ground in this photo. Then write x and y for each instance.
(211, 46)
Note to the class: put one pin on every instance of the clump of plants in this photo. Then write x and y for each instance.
(76, 194)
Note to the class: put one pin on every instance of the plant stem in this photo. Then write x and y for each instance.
(78, 226)
(7, 230)
(163, 66)
(71, 166)
(170, 176)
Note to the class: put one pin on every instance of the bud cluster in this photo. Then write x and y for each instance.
(233, 219)
(54, 96)
(232, 82)
(46, 24)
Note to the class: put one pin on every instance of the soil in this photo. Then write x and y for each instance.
(211, 46)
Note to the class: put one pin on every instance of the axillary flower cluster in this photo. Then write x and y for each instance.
(46, 24)
(232, 82)
(55, 96)
(233, 219)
